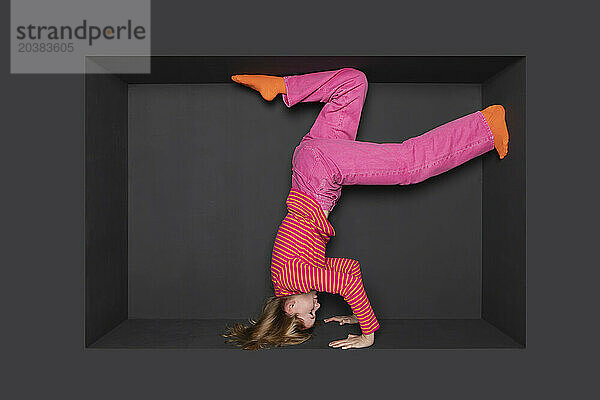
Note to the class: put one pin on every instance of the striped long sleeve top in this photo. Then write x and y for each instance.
(299, 265)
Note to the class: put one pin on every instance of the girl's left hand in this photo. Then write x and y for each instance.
(354, 341)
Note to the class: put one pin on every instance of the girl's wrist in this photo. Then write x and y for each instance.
(369, 338)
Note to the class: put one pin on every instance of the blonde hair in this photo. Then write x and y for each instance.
(273, 328)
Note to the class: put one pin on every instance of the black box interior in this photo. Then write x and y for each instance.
(187, 174)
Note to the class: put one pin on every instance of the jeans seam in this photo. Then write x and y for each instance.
(338, 128)
(491, 134)
(447, 156)
(287, 91)
(316, 159)
(404, 170)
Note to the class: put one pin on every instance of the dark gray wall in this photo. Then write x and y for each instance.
(210, 169)
(43, 275)
(105, 204)
(504, 216)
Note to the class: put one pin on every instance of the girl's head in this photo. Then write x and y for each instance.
(281, 323)
(304, 306)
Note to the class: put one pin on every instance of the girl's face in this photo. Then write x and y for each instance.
(304, 305)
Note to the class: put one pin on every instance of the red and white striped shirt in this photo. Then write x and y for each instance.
(299, 265)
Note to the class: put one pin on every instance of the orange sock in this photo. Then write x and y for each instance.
(268, 86)
(495, 117)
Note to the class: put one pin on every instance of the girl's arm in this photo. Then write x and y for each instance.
(299, 276)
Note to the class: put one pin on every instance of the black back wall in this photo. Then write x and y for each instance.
(209, 171)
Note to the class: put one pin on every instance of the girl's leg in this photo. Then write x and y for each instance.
(343, 91)
(323, 166)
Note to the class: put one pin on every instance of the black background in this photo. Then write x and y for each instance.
(42, 204)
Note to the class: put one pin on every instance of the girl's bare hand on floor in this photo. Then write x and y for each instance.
(343, 319)
(354, 341)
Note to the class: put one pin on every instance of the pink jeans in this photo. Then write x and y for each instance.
(329, 156)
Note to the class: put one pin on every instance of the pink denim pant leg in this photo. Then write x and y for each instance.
(329, 157)
(343, 91)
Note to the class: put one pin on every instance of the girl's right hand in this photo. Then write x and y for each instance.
(354, 341)
(343, 319)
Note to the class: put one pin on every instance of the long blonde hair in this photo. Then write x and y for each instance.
(273, 328)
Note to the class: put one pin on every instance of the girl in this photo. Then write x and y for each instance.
(327, 158)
